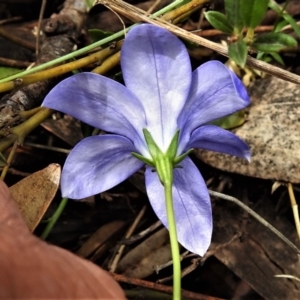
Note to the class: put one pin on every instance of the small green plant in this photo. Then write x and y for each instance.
(240, 20)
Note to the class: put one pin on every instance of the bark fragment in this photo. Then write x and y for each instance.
(62, 32)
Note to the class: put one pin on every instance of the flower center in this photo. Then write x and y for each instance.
(162, 162)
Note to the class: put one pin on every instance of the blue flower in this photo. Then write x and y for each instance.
(162, 95)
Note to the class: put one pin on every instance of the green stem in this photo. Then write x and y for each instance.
(164, 166)
(249, 36)
(26, 127)
(87, 48)
(9, 160)
(54, 218)
(173, 240)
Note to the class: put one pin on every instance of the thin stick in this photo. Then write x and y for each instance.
(37, 42)
(9, 159)
(16, 39)
(14, 63)
(62, 69)
(257, 217)
(294, 207)
(160, 287)
(287, 276)
(88, 48)
(141, 234)
(50, 148)
(135, 14)
(153, 6)
(128, 234)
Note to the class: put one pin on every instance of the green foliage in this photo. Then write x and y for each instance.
(279, 25)
(233, 11)
(3, 162)
(232, 121)
(238, 52)
(98, 35)
(289, 19)
(277, 57)
(242, 13)
(273, 42)
(219, 21)
(268, 57)
(253, 12)
(7, 71)
(89, 4)
(241, 18)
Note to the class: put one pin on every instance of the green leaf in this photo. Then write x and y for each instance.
(278, 27)
(3, 162)
(181, 157)
(172, 150)
(152, 146)
(89, 4)
(98, 35)
(219, 21)
(8, 71)
(292, 22)
(233, 11)
(273, 42)
(268, 57)
(238, 52)
(145, 160)
(273, 5)
(234, 120)
(261, 56)
(277, 58)
(253, 11)
(264, 57)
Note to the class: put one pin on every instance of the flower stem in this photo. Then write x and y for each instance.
(54, 218)
(164, 166)
(173, 241)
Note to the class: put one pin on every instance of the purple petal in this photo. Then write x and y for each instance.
(191, 204)
(214, 138)
(97, 164)
(156, 68)
(216, 92)
(102, 103)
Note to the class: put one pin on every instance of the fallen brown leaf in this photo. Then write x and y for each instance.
(34, 193)
(30, 268)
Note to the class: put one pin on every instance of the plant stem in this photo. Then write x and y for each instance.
(54, 218)
(164, 165)
(257, 217)
(173, 241)
(9, 160)
(249, 36)
(19, 132)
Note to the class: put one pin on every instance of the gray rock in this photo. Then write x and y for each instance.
(272, 131)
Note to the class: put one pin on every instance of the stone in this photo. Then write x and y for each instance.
(272, 131)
